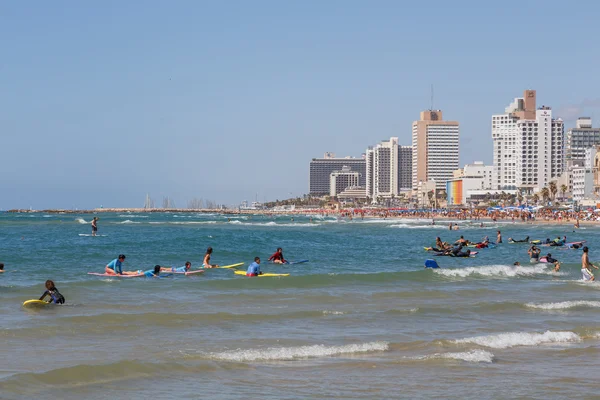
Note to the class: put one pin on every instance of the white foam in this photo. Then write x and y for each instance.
(564, 305)
(128, 221)
(498, 270)
(294, 353)
(407, 226)
(512, 339)
(327, 312)
(133, 216)
(81, 221)
(480, 356)
(272, 223)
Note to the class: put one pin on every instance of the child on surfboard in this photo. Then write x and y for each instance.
(53, 293)
(206, 261)
(254, 268)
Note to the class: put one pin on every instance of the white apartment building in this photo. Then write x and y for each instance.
(382, 169)
(340, 180)
(435, 149)
(581, 137)
(479, 169)
(528, 146)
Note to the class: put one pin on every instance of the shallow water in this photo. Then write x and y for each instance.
(362, 319)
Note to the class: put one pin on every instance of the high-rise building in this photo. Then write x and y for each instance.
(382, 169)
(321, 169)
(435, 149)
(528, 146)
(341, 180)
(404, 167)
(581, 137)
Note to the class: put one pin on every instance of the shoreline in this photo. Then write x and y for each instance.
(368, 214)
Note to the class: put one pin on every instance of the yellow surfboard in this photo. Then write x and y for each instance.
(260, 276)
(232, 265)
(35, 303)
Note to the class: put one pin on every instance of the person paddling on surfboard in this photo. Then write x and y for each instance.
(277, 257)
(185, 268)
(1, 267)
(154, 272)
(53, 293)
(254, 268)
(206, 261)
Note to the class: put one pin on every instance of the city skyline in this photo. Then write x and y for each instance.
(103, 104)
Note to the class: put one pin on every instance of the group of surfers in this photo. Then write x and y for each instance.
(534, 252)
(115, 267)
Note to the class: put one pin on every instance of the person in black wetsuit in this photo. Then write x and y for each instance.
(554, 261)
(53, 293)
(511, 240)
(463, 253)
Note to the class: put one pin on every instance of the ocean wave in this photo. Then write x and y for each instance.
(327, 312)
(478, 356)
(28, 384)
(272, 223)
(81, 221)
(512, 339)
(132, 216)
(497, 270)
(408, 226)
(564, 305)
(295, 353)
(128, 221)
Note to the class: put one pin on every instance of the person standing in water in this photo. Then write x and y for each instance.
(586, 271)
(94, 226)
(206, 262)
(499, 238)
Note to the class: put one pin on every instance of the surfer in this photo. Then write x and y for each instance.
(206, 262)
(277, 257)
(153, 273)
(517, 264)
(586, 272)
(558, 242)
(53, 293)
(115, 267)
(498, 238)
(94, 226)
(554, 261)
(1, 267)
(463, 253)
(462, 241)
(511, 240)
(254, 268)
(185, 268)
(534, 254)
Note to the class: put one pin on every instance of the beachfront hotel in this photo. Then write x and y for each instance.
(321, 169)
(528, 146)
(435, 149)
(382, 169)
(580, 138)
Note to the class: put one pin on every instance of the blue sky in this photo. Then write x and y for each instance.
(101, 103)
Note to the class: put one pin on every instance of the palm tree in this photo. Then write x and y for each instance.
(563, 189)
(545, 193)
(553, 189)
(430, 195)
(535, 198)
(520, 197)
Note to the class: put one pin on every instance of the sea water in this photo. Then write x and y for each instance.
(362, 319)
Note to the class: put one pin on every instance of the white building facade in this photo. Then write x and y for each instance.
(528, 146)
(340, 180)
(382, 170)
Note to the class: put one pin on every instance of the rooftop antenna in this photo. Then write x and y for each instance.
(431, 97)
